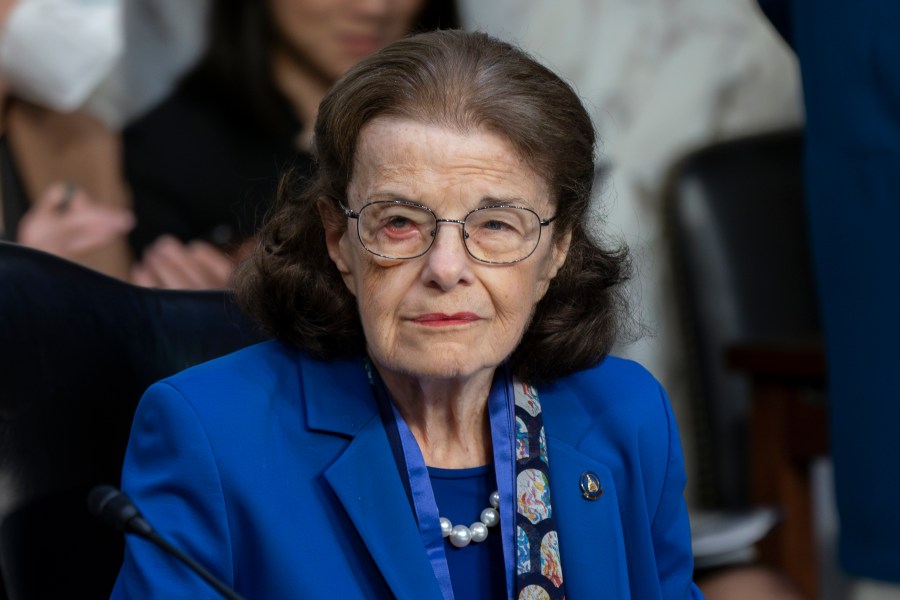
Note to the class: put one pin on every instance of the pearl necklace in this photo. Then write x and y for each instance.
(460, 535)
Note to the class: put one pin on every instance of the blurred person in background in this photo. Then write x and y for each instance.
(850, 60)
(199, 168)
(73, 81)
(57, 157)
(203, 165)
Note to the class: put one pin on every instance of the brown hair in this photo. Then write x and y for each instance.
(467, 82)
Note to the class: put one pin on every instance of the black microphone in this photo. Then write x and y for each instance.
(118, 511)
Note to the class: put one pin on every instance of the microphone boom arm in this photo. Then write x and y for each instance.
(117, 510)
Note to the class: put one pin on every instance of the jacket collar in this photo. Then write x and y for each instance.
(338, 396)
(365, 478)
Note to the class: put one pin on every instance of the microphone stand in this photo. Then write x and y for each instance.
(117, 510)
(196, 567)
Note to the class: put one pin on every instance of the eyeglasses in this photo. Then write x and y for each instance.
(400, 229)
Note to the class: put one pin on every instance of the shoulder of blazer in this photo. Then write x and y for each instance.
(334, 395)
(258, 368)
(616, 390)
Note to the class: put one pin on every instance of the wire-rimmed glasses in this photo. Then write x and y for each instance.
(400, 229)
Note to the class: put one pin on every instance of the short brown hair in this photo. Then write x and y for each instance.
(466, 82)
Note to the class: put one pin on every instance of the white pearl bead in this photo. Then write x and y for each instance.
(479, 531)
(490, 517)
(446, 526)
(460, 536)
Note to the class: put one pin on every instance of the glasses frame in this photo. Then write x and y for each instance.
(350, 214)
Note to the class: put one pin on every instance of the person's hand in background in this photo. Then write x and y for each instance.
(65, 221)
(170, 263)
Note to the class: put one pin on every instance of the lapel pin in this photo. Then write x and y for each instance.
(590, 486)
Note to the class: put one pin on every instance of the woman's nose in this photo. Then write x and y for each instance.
(447, 263)
(372, 8)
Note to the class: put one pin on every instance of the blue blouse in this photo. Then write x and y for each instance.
(476, 571)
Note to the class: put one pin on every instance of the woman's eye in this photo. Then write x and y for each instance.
(498, 226)
(399, 223)
(495, 225)
(398, 226)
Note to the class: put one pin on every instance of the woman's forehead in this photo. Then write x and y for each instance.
(428, 162)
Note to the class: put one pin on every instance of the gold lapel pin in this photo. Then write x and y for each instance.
(590, 486)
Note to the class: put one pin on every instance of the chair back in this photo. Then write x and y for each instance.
(737, 223)
(77, 350)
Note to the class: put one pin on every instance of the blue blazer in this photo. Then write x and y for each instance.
(274, 471)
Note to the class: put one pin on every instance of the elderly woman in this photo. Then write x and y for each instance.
(438, 417)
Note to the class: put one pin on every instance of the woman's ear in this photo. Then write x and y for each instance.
(336, 241)
(557, 258)
(560, 252)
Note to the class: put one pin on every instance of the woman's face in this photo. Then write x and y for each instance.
(443, 314)
(330, 36)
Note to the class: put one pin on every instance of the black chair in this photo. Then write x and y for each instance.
(77, 350)
(737, 221)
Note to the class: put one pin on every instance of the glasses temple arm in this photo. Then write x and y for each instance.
(545, 222)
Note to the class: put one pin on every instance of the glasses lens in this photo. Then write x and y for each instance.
(502, 235)
(396, 230)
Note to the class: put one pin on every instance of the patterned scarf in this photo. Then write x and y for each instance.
(538, 568)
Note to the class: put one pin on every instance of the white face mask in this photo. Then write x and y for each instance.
(55, 52)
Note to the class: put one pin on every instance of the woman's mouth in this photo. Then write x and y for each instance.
(445, 320)
(361, 45)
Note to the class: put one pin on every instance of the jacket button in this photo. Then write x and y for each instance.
(590, 486)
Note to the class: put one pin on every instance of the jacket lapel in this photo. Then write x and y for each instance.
(365, 477)
(592, 547)
(366, 481)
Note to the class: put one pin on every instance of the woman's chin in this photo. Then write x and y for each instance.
(438, 363)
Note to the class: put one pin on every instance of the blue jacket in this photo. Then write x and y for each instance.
(275, 472)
